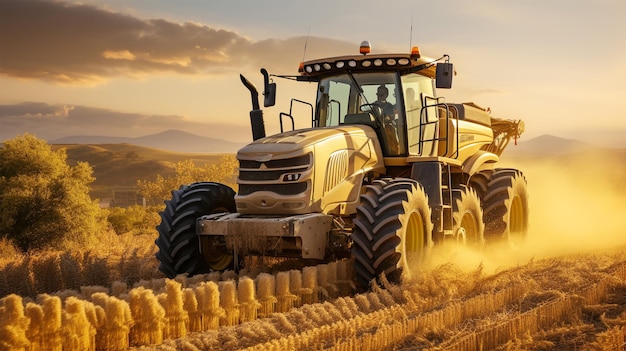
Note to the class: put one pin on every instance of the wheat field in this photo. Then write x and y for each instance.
(565, 290)
(443, 307)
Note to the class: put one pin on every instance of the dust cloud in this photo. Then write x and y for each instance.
(577, 205)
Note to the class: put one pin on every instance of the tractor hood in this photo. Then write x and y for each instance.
(296, 140)
(307, 171)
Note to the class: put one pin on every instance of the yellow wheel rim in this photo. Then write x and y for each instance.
(414, 238)
(218, 261)
(221, 263)
(469, 228)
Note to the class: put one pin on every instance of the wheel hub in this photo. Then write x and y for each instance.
(461, 235)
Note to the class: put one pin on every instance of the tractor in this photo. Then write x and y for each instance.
(386, 170)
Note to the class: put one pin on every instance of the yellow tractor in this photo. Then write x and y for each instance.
(386, 170)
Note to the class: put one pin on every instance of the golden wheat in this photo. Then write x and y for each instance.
(228, 301)
(382, 318)
(285, 300)
(113, 320)
(35, 332)
(127, 258)
(52, 311)
(310, 290)
(176, 317)
(77, 331)
(248, 304)
(13, 324)
(149, 317)
(208, 296)
(266, 287)
(16, 278)
(47, 270)
(119, 288)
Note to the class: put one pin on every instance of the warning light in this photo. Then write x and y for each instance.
(415, 53)
(365, 47)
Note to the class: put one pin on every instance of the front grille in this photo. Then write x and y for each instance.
(282, 163)
(281, 189)
(247, 174)
(281, 176)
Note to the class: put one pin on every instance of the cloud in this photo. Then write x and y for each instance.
(70, 43)
(51, 122)
(34, 109)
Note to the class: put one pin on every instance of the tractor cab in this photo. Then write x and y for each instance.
(392, 93)
(389, 103)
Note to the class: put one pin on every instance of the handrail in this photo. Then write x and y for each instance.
(436, 138)
(290, 114)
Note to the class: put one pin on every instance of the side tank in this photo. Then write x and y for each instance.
(465, 131)
(307, 171)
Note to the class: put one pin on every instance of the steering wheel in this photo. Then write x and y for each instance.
(376, 110)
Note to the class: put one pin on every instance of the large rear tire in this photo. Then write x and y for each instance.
(505, 207)
(392, 230)
(480, 182)
(467, 217)
(179, 248)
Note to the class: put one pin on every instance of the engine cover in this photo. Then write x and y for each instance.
(317, 170)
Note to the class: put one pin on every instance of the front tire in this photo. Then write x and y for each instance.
(505, 207)
(393, 229)
(179, 247)
(467, 217)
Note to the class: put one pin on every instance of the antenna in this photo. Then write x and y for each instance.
(306, 42)
(411, 34)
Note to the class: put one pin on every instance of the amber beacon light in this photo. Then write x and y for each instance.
(365, 47)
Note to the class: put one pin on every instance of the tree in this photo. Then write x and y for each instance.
(159, 190)
(44, 201)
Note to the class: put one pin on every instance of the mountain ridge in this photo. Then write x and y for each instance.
(551, 145)
(180, 141)
(169, 140)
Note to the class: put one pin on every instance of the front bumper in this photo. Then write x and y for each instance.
(304, 236)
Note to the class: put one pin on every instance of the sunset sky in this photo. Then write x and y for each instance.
(132, 68)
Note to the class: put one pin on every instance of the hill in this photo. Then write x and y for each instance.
(171, 140)
(549, 145)
(554, 147)
(121, 165)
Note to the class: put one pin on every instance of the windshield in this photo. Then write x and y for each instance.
(397, 107)
(364, 98)
(338, 96)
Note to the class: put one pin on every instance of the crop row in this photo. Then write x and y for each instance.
(389, 327)
(48, 272)
(114, 319)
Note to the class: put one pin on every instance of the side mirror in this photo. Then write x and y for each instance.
(270, 90)
(443, 76)
(270, 95)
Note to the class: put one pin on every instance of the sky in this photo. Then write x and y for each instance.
(138, 67)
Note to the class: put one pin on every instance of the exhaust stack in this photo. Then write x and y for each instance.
(256, 114)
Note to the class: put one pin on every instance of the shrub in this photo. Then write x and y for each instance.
(44, 201)
(187, 172)
(136, 219)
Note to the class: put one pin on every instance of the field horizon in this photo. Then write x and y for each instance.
(121, 165)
